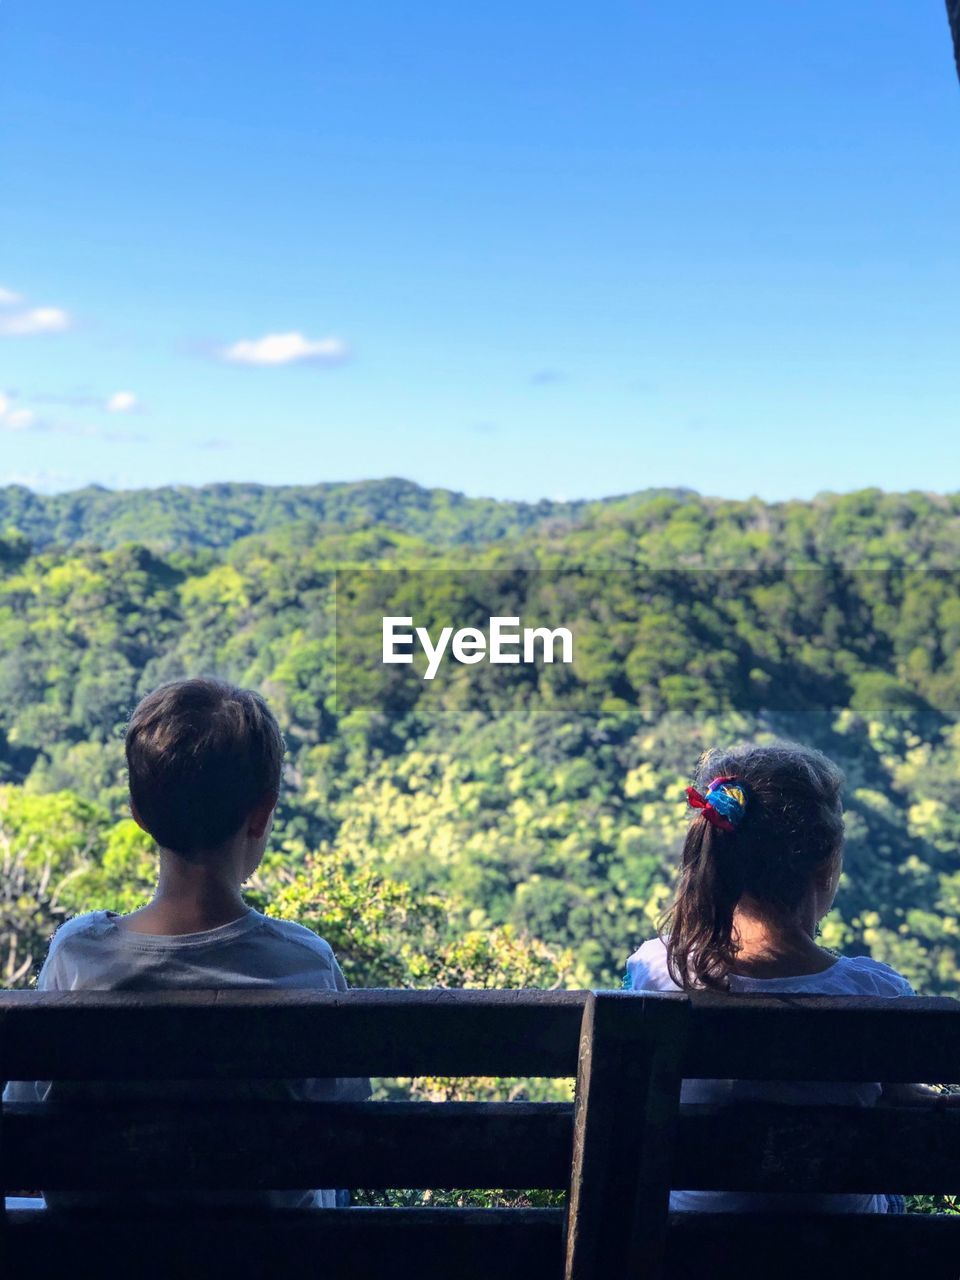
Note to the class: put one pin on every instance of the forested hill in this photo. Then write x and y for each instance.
(544, 803)
(666, 528)
(217, 515)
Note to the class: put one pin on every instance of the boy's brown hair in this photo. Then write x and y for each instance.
(201, 754)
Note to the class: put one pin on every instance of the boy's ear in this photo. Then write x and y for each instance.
(260, 815)
(135, 815)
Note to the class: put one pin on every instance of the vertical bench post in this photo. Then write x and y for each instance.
(628, 1093)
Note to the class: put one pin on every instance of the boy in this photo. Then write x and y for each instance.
(204, 760)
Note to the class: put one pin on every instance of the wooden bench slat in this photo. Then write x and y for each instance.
(839, 1246)
(752, 1147)
(117, 1035)
(273, 1034)
(337, 1244)
(278, 1145)
(822, 1038)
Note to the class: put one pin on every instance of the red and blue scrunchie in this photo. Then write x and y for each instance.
(724, 804)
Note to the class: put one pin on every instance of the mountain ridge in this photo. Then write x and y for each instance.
(216, 516)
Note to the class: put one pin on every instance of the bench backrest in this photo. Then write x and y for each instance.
(634, 1142)
(246, 1144)
(620, 1149)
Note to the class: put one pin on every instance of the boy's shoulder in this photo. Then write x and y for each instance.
(100, 924)
(92, 950)
(300, 957)
(92, 924)
(74, 941)
(298, 935)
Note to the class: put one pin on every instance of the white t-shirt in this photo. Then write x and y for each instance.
(96, 953)
(848, 976)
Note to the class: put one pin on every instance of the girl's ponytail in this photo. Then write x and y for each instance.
(701, 946)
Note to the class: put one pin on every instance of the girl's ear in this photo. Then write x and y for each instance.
(828, 877)
(135, 815)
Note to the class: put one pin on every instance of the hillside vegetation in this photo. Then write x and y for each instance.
(490, 827)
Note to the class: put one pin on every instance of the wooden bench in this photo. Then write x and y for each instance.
(618, 1150)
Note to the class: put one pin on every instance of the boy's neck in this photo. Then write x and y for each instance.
(192, 896)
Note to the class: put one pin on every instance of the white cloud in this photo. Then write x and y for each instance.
(23, 419)
(19, 419)
(8, 298)
(16, 417)
(122, 402)
(286, 348)
(12, 419)
(34, 320)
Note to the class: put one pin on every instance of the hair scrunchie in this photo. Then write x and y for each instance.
(724, 804)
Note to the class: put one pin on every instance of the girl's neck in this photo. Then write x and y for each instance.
(778, 948)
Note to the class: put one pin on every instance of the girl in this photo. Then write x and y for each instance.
(760, 868)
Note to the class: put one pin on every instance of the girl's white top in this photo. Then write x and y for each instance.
(848, 976)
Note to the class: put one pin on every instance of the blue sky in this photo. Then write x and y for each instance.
(524, 250)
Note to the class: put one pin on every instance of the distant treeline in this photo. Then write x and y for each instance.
(666, 528)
